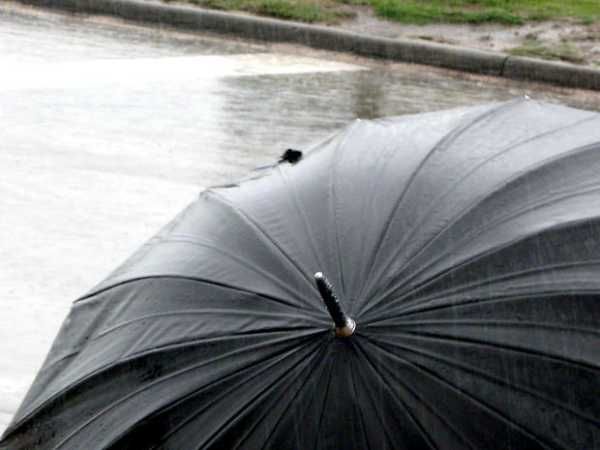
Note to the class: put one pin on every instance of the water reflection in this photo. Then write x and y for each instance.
(277, 112)
(368, 95)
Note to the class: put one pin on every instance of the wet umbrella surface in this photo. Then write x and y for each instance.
(464, 251)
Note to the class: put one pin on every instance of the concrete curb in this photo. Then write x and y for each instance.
(552, 72)
(320, 37)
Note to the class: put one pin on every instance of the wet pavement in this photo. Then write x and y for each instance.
(108, 130)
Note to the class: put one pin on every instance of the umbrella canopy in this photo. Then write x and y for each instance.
(459, 254)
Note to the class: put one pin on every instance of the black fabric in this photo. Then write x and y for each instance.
(466, 246)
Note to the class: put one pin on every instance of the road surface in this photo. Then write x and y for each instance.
(108, 130)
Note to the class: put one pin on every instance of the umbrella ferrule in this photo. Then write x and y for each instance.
(346, 330)
(344, 325)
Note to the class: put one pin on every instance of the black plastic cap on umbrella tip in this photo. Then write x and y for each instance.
(291, 155)
(344, 325)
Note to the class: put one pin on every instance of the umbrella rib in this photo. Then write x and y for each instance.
(478, 201)
(479, 301)
(421, 429)
(300, 212)
(470, 260)
(478, 232)
(475, 371)
(527, 351)
(242, 261)
(304, 383)
(465, 287)
(262, 234)
(386, 433)
(288, 405)
(236, 335)
(327, 386)
(99, 370)
(191, 312)
(499, 221)
(242, 410)
(94, 293)
(280, 354)
(493, 411)
(207, 338)
(223, 394)
(448, 139)
(354, 396)
(333, 209)
(488, 323)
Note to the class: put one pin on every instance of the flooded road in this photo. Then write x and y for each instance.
(108, 130)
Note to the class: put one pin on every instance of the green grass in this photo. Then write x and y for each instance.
(437, 11)
(510, 12)
(563, 51)
(324, 11)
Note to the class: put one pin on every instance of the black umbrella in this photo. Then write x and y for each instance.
(464, 250)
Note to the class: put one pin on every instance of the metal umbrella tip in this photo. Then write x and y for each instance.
(344, 325)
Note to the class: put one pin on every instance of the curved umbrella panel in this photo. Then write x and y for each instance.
(299, 219)
(354, 208)
(166, 340)
(465, 245)
(562, 260)
(216, 242)
(512, 213)
(462, 188)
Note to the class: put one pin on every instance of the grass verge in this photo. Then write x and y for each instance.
(510, 12)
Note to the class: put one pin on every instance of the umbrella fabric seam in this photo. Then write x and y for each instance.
(482, 198)
(544, 163)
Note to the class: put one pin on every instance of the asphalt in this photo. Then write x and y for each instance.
(109, 129)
